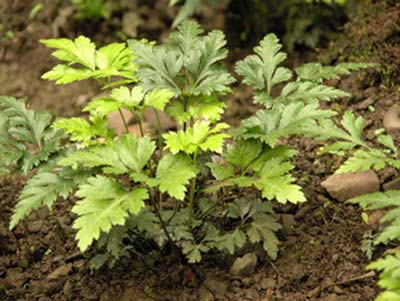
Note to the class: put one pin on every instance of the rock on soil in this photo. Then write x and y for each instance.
(244, 266)
(61, 271)
(345, 186)
(391, 119)
(35, 227)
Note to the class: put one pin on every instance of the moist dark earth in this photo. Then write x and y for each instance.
(320, 252)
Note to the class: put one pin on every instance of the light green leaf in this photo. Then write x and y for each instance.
(221, 172)
(81, 130)
(275, 183)
(64, 74)
(130, 98)
(104, 204)
(174, 183)
(387, 141)
(81, 51)
(82, 61)
(158, 98)
(103, 106)
(200, 136)
(127, 154)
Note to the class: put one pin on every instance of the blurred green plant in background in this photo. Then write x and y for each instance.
(92, 9)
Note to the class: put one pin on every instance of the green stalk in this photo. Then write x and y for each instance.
(162, 223)
(221, 198)
(185, 104)
(123, 121)
(192, 190)
(139, 121)
(141, 128)
(160, 142)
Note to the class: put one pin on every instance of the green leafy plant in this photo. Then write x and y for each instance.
(349, 138)
(92, 9)
(83, 61)
(202, 187)
(26, 137)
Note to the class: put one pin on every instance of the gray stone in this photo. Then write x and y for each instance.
(391, 119)
(345, 186)
(244, 266)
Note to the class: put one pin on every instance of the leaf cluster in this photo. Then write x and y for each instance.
(187, 64)
(291, 102)
(348, 138)
(83, 61)
(389, 266)
(26, 138)
(155, 189)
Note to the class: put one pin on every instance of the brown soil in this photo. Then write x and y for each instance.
(39, 260)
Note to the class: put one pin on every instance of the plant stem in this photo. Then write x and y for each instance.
(163, 225)
(185, 104)
(141, 128)
(221, 198)
(160, 142)
(123, 121)
(139, 121)
(192, 190)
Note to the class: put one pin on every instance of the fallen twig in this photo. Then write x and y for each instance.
(318, 290)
